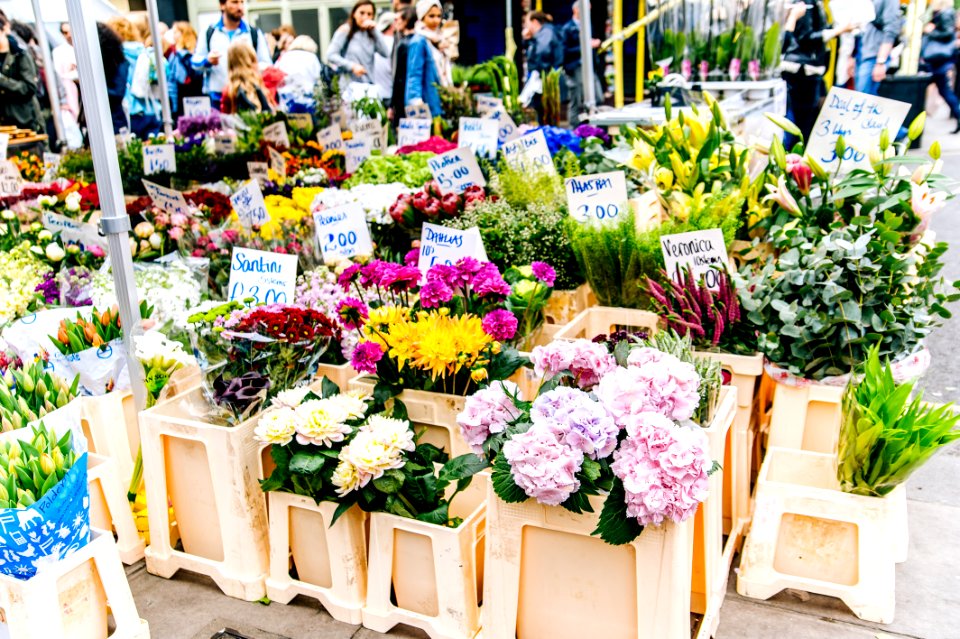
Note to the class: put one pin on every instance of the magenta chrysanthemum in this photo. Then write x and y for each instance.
(352, 313)
(544, 272)
(366, 356)
(501, 325)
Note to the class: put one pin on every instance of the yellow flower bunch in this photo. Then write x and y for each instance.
(433, 342)
(281, 210)
(303, 196)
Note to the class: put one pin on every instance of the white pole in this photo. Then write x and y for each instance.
(586, 58)
(50, 73)
(114, 223)
(161, 63)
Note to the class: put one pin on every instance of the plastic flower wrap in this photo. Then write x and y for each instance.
(602, 424)
(172, 289)
(339, 447)
(448, 341)
(160, 358)
(376, 199)
(29, 392)
(248, 355)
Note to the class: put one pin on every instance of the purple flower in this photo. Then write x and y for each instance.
(412, 258)
(577, 420)
(501, 325)
(542, 466)
(435, 293)
(544, 272)
(348, 276)
(588, 131)
(49, 288)
(366, 356)
(488, 281)
(352, 313)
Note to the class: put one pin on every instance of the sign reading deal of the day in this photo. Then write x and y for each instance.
(410, 131)
(196, 107)
(330, 138)
(529, 153)
(269, 278)
(597, 198)
(455, 170)
(442, 245)
(342, 232)
(276, 133)
(480, 135)
(170, 200)
(860, 119)
(508, 128)
(249, 205)
(159, 158)
(703, 253)
(357, 150)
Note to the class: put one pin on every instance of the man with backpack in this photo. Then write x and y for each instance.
(211, 53)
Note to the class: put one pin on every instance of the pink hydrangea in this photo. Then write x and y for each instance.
(487, 412)
(655, 382)
(663, 468)
(542, 466)
(577, 420)
(587, 361)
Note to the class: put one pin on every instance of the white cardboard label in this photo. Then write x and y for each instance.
(196, 107)
(277, 162)
(859, 118)
(72, 230)
(276, 133)
(597, 198)
(508, 128)
(249, 205)
(442, 245)
(529, 153)
(479, 135)
(420, 111)
(412, 131)
(455, 170)
(342, 232)
(301, 120)
(4, 143)
(270, 278)
(10, 181)
(170, 200)
(372, 129)
(330, 138)
(159, 158)
(258, 171)
(703, 253)
(357, 150)
(487, 104)
(224, 144)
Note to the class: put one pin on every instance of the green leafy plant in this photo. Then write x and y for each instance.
(885, 435)
(551, 98)
(523, 188)
(410, 169)
(828, 297)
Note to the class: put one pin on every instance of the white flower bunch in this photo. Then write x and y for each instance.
(376, 199)
(320, 422)
(378, 446)
(172, 290)
(155, 351)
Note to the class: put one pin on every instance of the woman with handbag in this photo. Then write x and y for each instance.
(938, 49)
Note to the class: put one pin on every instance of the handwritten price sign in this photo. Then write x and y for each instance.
(455, 170)
(342, 232)
(268, 278)
(479, 135)
(529, 153)
(330, 138)
(249, 205)
(159, 158)
(703, 253)
(598, 197)
(442, 245)
(413, 130)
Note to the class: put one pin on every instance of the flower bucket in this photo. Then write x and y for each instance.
(603, 320)
(208, 473)
(330, 560)
(109, 430)
(435, 572)
(563, 306)
(110, 508)
(338, 374)
(809, 535)
(436, 413)
(547, 576)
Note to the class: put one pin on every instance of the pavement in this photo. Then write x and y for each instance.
(189, 606)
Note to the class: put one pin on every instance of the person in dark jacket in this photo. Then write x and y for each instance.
(403, 32)
(573, 65)
(18, 83)
(938, 52)
(805, 59)
(544, 50)
(115, 70)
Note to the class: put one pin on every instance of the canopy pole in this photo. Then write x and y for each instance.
(114, 223)
(50, 77)
(586, 58)
(161, 64)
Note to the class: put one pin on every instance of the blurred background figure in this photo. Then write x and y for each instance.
(939, 49)
(18, 82)
(300, 65)
(573, 65)
(404, 31)
(383, 64)
(187, 78)
(425, 60)
(245, 90)
(355, 45)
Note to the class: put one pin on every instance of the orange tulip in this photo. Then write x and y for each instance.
(62, 336)
(96, 341)
(91, 334)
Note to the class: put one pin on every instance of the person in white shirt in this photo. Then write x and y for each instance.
(382, 66)
(65, 64)
(300, 65)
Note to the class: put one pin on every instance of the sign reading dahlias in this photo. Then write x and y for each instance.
(443, 245)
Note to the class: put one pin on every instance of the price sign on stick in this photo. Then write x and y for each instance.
(330, 138)
(413, 130)
(277, 162)
(52, 162)
(480, 135)
(249, 205)
(357, 150)
(224, 144)
(442, 245)
(269, 278)
(342, 232)
(487, 104)
(508, 128)
(196, 107)
(455, 170)
(860, 119)
(597, 198)
(72, 230)
(258, 171)
(159, 158)
(703, 253)
(276, 133)
(170, 200)
(420, 111)
(372, 129)
(529, 153)
(301, 120)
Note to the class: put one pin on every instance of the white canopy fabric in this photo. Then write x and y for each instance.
(55, 11)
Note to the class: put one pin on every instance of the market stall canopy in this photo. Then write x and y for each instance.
(55, 11)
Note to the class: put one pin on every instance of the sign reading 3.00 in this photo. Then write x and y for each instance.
(598, 197)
